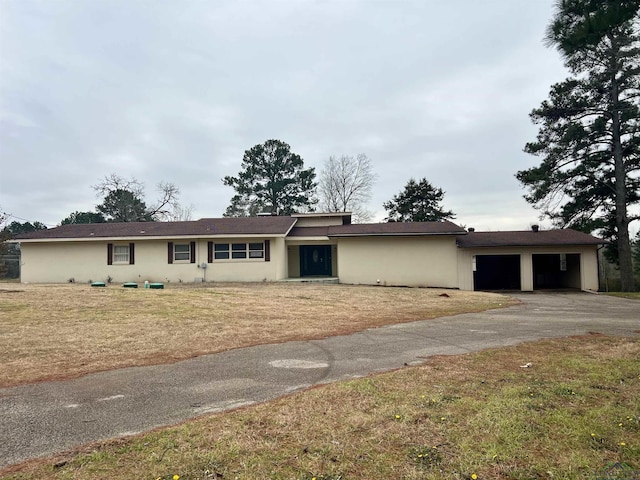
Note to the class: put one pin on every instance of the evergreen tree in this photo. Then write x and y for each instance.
(14, 228)
(83, 217)
(124, 206)
(274, 178)
(124, 201)
(418, 202)
(589, 136)
(243, 206)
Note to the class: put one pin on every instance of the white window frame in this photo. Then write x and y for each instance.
(255, 250)
(221, 254)
(121, 254)
(179, 254)
(238, 251)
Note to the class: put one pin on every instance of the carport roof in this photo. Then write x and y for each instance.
(528, 238)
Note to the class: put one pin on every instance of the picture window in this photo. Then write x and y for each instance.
(238, 251)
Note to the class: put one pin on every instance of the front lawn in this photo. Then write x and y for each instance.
(58, 331)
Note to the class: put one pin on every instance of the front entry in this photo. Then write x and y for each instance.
(315, 260)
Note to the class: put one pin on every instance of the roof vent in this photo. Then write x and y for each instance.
(535, 228)
(471, 229)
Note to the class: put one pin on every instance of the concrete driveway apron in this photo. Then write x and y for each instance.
(50, 417)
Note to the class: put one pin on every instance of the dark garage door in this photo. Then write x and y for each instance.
(497, 272)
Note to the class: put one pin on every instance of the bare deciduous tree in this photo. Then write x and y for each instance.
(345, 186)
(167, 205)
(181, 214)
(114, 182)
(166, 208)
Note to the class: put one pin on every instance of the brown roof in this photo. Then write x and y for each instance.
(309, 232)
(202, 228)
(396, 228)
(528, 238)
(376, 229)
(276, 225)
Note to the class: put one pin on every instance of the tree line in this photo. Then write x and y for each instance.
(273, 180)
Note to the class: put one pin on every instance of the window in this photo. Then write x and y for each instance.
(182, 252)
(256, 250)
(238, 251)
(121, 254)
(221, 251)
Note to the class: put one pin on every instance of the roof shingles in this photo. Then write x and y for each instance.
(284, 225)
(528, 238)
(202, 228)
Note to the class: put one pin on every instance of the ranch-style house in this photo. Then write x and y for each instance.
(311, 246)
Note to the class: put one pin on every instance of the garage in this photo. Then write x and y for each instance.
(556, 271)
(497, 272)
(528, 260)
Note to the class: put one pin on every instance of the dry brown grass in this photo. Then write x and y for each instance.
(57, 331)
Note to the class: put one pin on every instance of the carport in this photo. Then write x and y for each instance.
(556, 270)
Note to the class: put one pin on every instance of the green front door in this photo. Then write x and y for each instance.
(315, 260)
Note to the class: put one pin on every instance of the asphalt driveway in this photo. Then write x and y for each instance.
(51, 417)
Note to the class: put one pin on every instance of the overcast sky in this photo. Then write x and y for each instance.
(177, 90)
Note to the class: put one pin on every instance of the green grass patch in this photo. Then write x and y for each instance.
(574, 411)
(631, 295)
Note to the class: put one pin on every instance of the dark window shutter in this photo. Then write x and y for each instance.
(170, 258)
(193, 252)
(132, 256)
(210, 252)
(109, 253)
(267, 250)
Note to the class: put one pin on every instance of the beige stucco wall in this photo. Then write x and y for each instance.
(588, 275)
(413, 261)
(416, 261)
(58, 262)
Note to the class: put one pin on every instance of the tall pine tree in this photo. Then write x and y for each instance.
(418, 202)
(589, 136)
(272, 179)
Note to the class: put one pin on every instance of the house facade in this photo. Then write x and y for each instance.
(309, 246)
